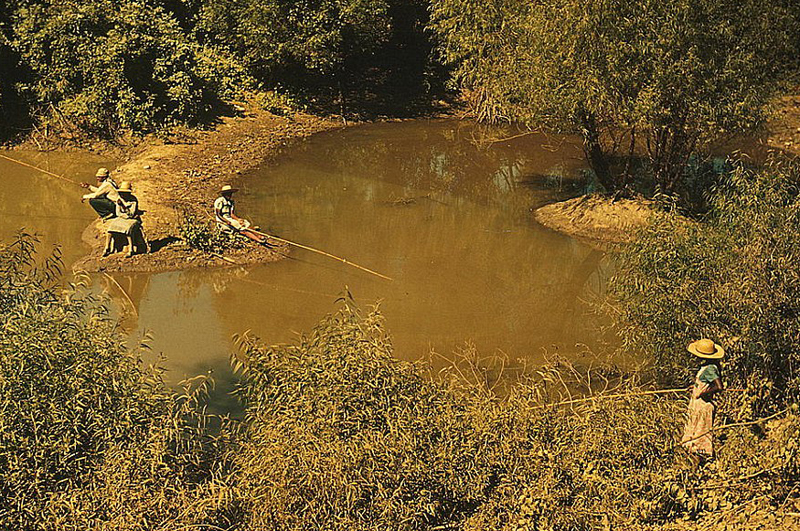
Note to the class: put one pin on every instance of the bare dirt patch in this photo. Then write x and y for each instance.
(784, 128)
(598, 220)
(171, 178)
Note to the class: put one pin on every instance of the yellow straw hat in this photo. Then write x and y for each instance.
(125, 186)
(102, 172)
(705, 348)
(229, 188)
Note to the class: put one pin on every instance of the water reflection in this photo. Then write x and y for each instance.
(438, 206)
(447, 217)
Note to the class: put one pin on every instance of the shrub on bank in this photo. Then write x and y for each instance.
(90, 438)
(734, 277)
(339, 434)
(207, 237)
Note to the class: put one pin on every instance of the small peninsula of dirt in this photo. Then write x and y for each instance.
(186, 176)
(596, 219)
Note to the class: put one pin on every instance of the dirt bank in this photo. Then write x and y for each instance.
(598, 220)
(169, 178)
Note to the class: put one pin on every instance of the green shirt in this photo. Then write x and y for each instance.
(708, 373)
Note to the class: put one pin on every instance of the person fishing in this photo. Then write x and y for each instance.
(697, 438)
(228, 221)
(127, 220)
(103, 197)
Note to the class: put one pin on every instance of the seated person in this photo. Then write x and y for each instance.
(127, 220)
(102, 197)
(227, 221)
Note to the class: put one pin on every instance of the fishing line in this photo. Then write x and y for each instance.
(40, 170)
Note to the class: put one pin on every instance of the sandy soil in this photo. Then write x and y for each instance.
(784, 129)
(169, 178)
(596, 219)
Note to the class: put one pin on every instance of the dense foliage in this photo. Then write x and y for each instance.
(317, 35)
(735, 277)
(666, 78)
(89, 436)
(109, 67)
(340, 434)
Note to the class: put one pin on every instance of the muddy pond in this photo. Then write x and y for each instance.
(443, 207)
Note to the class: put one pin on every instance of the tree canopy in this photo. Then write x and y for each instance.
(108, 67)
(665, 78)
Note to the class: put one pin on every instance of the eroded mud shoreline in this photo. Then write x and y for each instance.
(169, 179)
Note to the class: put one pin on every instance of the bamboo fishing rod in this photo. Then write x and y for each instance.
(323, 253)
(622, 395)
(40, 170)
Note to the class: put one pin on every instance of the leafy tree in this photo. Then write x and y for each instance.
(370, 56)
(113, 65)
(666, 77)
(734, 278)
(317, 35)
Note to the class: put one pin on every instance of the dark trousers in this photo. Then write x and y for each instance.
(103, 206)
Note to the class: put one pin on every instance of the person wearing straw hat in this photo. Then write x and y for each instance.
(228, 221)
(697, 437)
(127, 220)
(103, 197)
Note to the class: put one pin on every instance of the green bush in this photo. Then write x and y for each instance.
(105, 67)
(340, 434)
(734, 277)
(90, 438)
(207, 237)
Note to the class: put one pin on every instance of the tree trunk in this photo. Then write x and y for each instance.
(595, 155)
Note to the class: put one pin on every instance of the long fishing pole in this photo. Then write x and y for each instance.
(323, 253)
(622, 395)
(51, 174)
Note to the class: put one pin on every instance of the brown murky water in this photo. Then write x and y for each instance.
(45, 205)
(431, 204)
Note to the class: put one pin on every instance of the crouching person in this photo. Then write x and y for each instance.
(127, 221)
(102, 197)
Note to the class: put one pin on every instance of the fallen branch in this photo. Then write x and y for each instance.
(229, 260)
